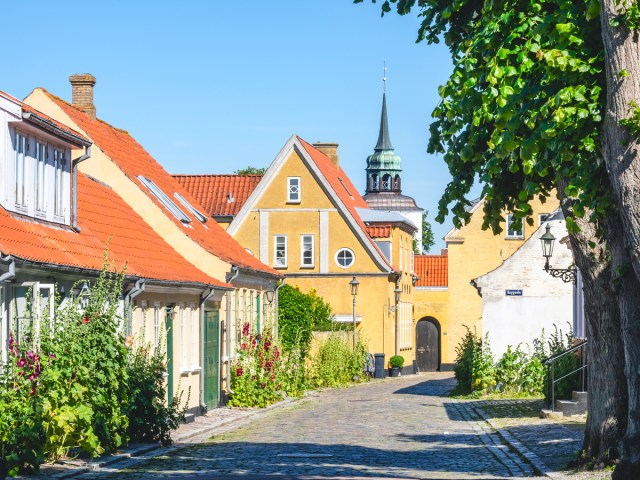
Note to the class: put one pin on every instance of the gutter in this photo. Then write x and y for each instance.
(55, 129)
(230, 277)
(74, 188)
(277, 311)
(128, 301)
(11, 273)
(203, 300)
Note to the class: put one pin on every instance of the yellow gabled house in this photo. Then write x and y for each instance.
(306, 219)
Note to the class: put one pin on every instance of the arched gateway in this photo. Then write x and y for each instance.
(428, 345)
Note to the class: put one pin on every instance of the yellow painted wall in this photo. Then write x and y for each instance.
(435, 303)
(474, 252)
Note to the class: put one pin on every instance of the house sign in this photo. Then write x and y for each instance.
(513, 293)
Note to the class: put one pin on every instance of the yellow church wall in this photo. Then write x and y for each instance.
(474, 252)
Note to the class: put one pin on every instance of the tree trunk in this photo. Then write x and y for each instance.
(622, 157)
(607, 386)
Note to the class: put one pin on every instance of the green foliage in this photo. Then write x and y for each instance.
(256, 373)
(557, 343)
(299, 313)
(150, 418)
(523, 106)
(632, 123)
(84, 388)
(474, 369)
(322, 315)
(250, 171)
(396, 361)
(21, 433)
(427, 233)
(336, 363)
(518, 372)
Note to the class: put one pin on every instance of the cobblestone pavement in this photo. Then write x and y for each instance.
(402, 428)
(399, 428)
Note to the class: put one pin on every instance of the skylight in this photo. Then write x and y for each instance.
(196, 213)
(164, 199)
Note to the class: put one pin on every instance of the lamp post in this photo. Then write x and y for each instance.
(396, 297)
(354, 284)
(565, 274)
(85, 295)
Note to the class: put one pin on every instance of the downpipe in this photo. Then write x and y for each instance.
(11, 273)
(137, 289)
(276, 320)
(231, 276)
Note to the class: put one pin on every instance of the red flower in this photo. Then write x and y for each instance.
(239, 372)
(85, 320)
(263, 385)
(245, 329)
(243, 346)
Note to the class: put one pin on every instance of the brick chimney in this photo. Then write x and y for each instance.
(330, 150)
(82, 92)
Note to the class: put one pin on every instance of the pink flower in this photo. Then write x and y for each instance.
(33, 391)
(268, 365)
(245, 329)
(85, 320)
(243, 346)
(52, 356)
(128, 342)
(22, 362)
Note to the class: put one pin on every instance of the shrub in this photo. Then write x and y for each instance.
(256, 375)
(295, 319)
(557, 343)
(396, 361)
(474, 370)
(150, 418)
(518, 372)
(21, 433)
(336, 363)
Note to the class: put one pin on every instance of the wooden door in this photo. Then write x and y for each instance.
(211, 358)
(427, 346)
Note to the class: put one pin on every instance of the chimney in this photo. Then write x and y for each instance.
(330, 150)
(82, 92)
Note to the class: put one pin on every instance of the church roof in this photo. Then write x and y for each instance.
(384, 142)
(391, 201)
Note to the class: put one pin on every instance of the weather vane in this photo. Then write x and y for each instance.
(384, 77)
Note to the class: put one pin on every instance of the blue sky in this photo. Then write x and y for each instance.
(211, 86)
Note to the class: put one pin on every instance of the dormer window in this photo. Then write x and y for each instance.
(196, 213)
(293, 190)
(164, 199)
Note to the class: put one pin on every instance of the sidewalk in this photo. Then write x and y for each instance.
(544, 443)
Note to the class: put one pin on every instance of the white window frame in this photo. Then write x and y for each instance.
(156, 324)
(164, 199)
(183, 338)
(512, 234)
(59, 163)
(195, 351)
(353, 257)
(294, 192)
(280, 241)
(202, 218)
(20, 174)
(309, 240)
(42, 154)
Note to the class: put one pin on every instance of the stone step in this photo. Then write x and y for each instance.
(569, 407)
(579, 396)
(189, 418)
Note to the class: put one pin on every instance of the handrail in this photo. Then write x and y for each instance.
(549, 360)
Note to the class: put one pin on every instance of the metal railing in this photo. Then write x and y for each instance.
(551, 363)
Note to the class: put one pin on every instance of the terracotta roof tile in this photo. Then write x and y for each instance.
(432, 270)
(379, 231)
(134, 160)
(104, 218)
(213, 192)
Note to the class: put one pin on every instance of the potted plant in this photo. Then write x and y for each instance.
(395, 366)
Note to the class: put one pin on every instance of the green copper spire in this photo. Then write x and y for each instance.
(384, 142)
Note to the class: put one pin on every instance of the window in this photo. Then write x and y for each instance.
(193, 320)
(543, 217)
(306, 251)
(164, 199)
(202, 218)
(386, 182)
(41, 162)
(345, 258)
(511, 231)
(59, 163)
(22, 147)
(143, 313)
(293, 190)
(280, 249)
(156, 324)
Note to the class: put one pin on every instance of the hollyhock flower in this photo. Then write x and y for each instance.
(268, 365)
(85, 320)
(52, 356)
(245, 329)
(128, 341)
(22, 362)
(31, 355)
(263, 385)
(243, 346)
(33, 391)
(239, 372)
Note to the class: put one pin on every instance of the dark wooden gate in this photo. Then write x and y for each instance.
(428, 345)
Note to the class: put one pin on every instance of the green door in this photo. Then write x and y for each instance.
(169, 330)
(211, 358)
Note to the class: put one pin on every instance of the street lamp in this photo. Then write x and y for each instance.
(565, 274)
(354, 284)
(269, 295)
(85, 295)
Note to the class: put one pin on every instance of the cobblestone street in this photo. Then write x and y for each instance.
(396, 428)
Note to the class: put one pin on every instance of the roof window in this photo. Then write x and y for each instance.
(164, 199)
(196, 213)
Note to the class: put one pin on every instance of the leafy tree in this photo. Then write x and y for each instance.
(427, 233)
(250, 171)
(543, 96)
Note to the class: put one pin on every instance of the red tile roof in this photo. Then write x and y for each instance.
(46, 118)
(432, 270)
(134, 160)
(212, 191)
(104, 219)
(379, 231)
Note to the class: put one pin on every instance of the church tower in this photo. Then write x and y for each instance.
(384, 181)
